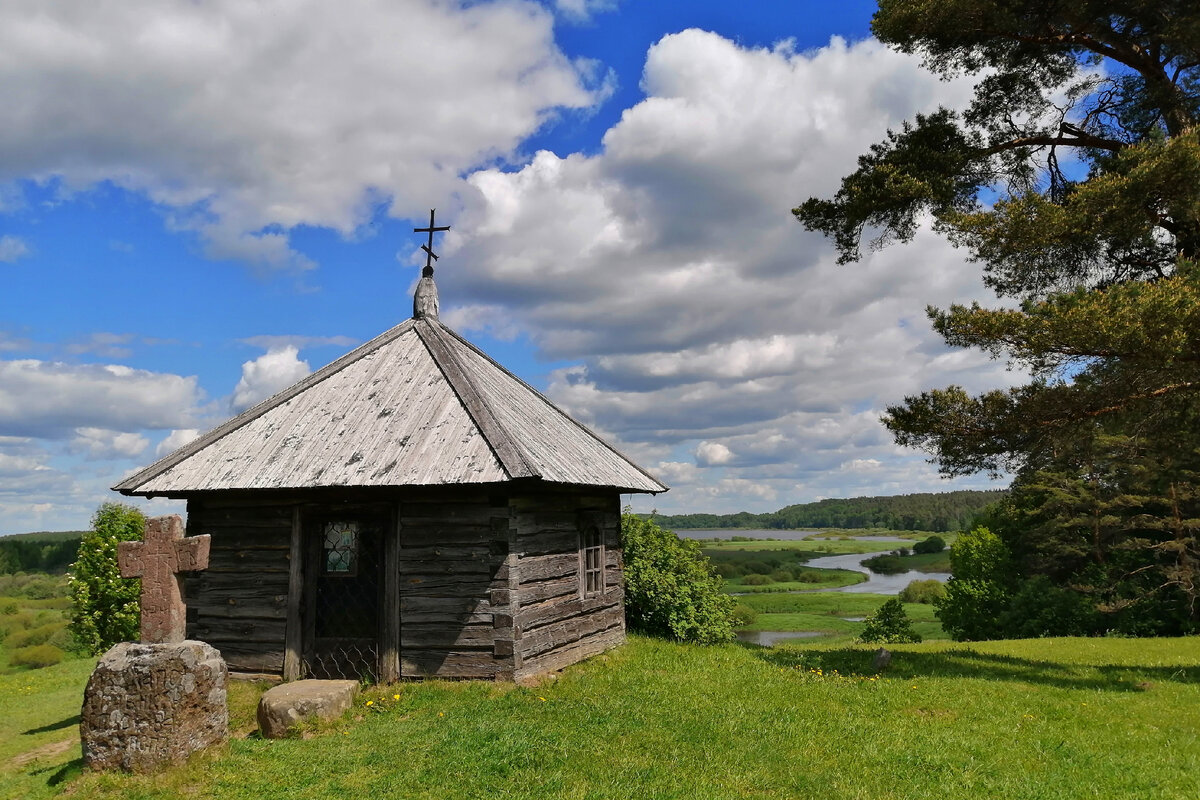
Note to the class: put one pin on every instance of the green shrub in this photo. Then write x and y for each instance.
(782, 575)
(927, 591)
(889, 625)
(934, 544)
(37, 656)
(671, 589)
(744, 615)
(755, 568)
(39, 635)
(978, 593)
(105, 605)
(726, 569)
(809, 576)
(885, 564)
(754, 579)
(9, 606)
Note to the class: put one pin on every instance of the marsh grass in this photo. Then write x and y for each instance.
(1053, 718)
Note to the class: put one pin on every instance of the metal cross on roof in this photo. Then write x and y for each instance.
(430, 256)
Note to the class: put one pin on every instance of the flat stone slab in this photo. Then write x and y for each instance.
(283, 706)
(149, 705)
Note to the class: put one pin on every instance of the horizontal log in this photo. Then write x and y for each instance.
(433, 569)
(564, 501)
(436, 537)
(206, 583)
(450, 605)
(241, 610)
(548, 590)
(543, 542)
(237, 630)
(442, 636)
(450, 585)
(572, 653)
(248, 561)
(532, 617)
(224, 538)
(564, 632)
(479, 664)
(246, 658)
(475, 551)
(543, 568)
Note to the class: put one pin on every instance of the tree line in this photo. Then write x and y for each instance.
(927, 511)
(38, 552)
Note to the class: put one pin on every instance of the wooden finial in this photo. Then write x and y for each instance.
(425, 299)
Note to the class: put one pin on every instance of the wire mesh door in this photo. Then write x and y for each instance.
(344, 580)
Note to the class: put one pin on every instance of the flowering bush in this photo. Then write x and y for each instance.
(105, 608)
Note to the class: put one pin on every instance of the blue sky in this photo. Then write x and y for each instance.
(201, 202)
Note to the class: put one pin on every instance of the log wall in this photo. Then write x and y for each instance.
(239, 604)
(489, 585)
(452, 555)
(555, 624)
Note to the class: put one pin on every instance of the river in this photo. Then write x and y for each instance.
(876, 584)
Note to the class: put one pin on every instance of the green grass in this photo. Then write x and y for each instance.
(826, 612)
(1035, 719)
(830, 579)
(927, 562)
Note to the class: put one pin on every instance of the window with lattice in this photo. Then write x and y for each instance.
(340, 549)
(592, 561)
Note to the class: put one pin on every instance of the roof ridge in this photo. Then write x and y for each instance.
(509, 452)
(249, 415)
(548, 403)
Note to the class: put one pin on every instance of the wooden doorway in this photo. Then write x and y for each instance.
(344, 592)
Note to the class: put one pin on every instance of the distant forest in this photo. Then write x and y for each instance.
(39, 552)
(941, 511)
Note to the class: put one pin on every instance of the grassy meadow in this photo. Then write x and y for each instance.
(1032, 719)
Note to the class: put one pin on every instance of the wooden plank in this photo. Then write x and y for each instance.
(225, 538)
(390, 640)
(293, 635)
(435, 536)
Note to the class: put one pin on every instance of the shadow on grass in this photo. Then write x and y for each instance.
(970, 663)
(54, 726)
(61, 774)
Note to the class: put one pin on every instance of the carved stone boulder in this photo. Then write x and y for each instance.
(149, 705)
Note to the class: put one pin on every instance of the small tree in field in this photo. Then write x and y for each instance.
(889, 625)
(671, 588)
(105, 607)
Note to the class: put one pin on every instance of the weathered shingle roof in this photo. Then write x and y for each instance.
(416, 406)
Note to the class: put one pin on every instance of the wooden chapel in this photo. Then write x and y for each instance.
(410, 510)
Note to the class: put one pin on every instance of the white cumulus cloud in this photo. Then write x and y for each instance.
(271, 372)
(12, 248)
(244, 120)
(703, 321)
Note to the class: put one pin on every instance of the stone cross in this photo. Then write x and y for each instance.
(158, 560)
